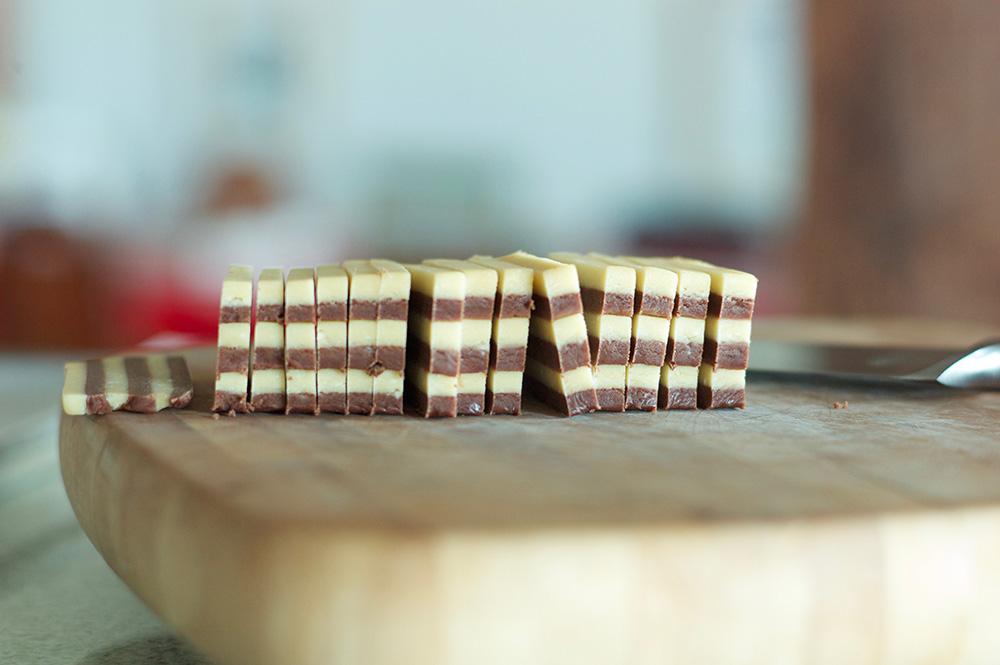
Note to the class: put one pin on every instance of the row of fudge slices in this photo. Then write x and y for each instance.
(580, 332)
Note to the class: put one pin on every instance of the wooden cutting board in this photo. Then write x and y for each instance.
(791, 532)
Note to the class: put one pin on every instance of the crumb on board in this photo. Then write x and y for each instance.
(840, 405)
(215, 415)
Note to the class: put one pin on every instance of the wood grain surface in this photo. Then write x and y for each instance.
(790, 532)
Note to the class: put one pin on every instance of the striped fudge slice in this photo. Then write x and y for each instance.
(608, 294)
(142, 384)
(655, 291)
(331, 338)
(557, 368)
(300, 341)
(364, 283)
(509, 336)
(267, 373)
(434, 346)
(233, 363)
(477, 328)
(390, 337)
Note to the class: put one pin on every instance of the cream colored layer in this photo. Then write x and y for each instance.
(476, 333)
(642, 376)
(567, 383)
(472, 383)
(433, 385)
(331, 381)
(74, 395)
(361, 333)
(232, 382)
(653, 328)
(505, 382)
(237, 287)
(726, 282)
(653, 280)
(300, 381)
(163, 387)
(391, 333)
(562, 331)
(331, 284)
(684, 330)
(263, 381)
(609, 327)
(364, 282)
(271, 287)
(727, 330)
(692, 282)
(512, 279)
(269, 335)
(331, 334)
(300, 335)
(300, 288)
(435, 282)
(679, 377)
(609, 376)
(395, 280)
(721, 379)
(389, 382)
(444, 335)
(601, 275)
(480, 281)
(552, 278)
(234, 335)
(116, 382)
(359, 381)
(510, 333)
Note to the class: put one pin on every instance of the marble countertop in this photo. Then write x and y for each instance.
(59, 600)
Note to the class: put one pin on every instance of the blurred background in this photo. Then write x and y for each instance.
(843, 150)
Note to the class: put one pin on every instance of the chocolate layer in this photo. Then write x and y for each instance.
(268, 402)
(653, 305)
(360, 357)
(268, 357)
(393, 310)
(508, 358)
(608, 351)
(640, 399)
(728, 355)
(391, 357)
(568, 405)
(226, 401)
(232, 360)
(558, 307)
(513, 306)
(360, 403)
(470, 404)
(441, 309)
(648, 352)
(332, 402)
(686, 354)
(271, 313)
(564, 359)
(441, 361)
(728, 398)
(730, 307)
(605, 302)
(300, 358)
(234, 314)
(474, 360)
(692, 307)
(300, 314)
(301, 403)
(98, 405)
(387, 404)
(363, 310)
(95, 384)
(507, 404)
(332, 357)
(610, 399)
(478, 307)
(332, 311)
(437, 406)
(140, 386)
(678, 398)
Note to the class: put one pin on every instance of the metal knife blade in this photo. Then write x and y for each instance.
(978, 367)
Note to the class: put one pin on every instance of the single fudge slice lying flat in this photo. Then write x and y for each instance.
(267, 371)
(143, 384)
(434, 348)
(331, 338)
(390, 337)
(300, 341)
(557, 369)
(364, 284)
(233, 362)
(477, 328)
(509, 336)
(608, 293)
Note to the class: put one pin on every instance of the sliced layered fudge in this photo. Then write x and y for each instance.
(390, 337)
(364, 284)
(300, 341)
(434, 348)
(608, 294)
(557, 369)
(653, 306)
(233, 363)
(331, 338)
(509, 336)
(142, 384)
(477, 328)
(267, 372)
